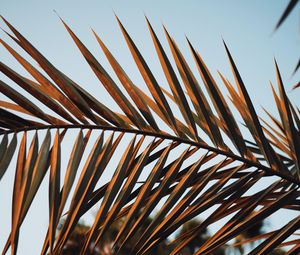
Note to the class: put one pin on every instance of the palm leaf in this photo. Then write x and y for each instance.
(287, 11)
(167, 166)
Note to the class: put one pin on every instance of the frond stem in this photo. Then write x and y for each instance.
(163, 136)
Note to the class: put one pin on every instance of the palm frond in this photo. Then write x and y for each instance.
(291, 5)
(178, 163)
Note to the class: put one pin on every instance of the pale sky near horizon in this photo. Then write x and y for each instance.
(246, 26)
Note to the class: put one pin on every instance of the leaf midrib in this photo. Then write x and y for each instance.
(163, 136)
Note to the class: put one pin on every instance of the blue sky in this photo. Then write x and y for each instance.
(246, 26)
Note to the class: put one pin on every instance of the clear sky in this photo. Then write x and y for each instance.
(246, 26)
